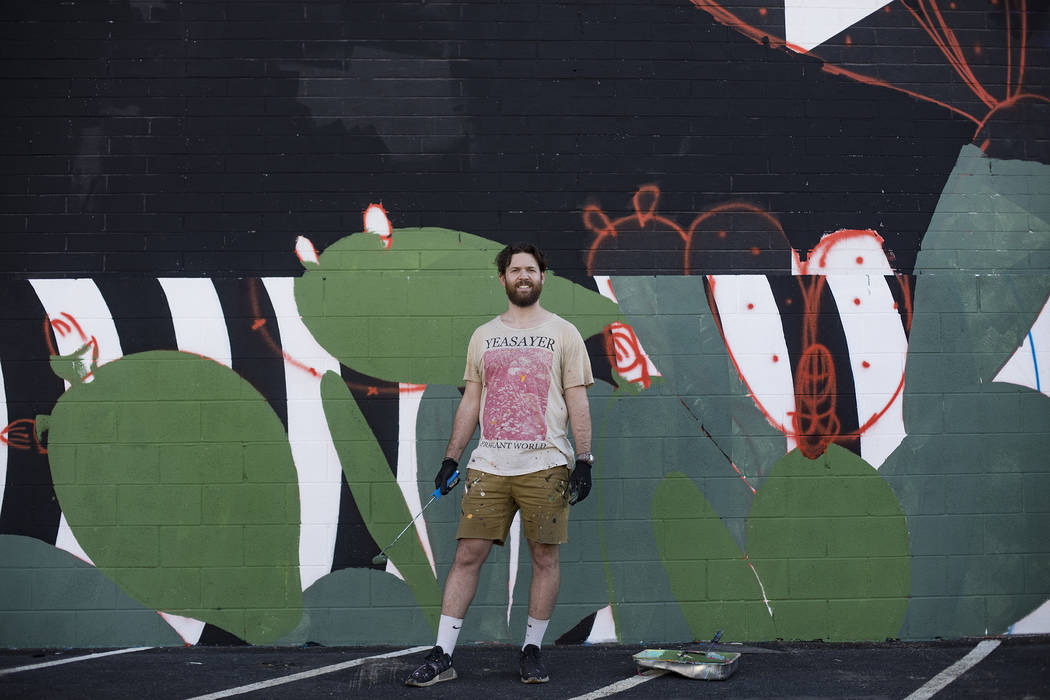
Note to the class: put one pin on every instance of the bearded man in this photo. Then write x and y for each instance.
(526, 381)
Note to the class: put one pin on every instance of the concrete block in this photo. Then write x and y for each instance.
(945, 535)
(196, 546)
(17, 587)
(159, 505)
(75, 589)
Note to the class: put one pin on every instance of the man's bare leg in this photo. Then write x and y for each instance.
(546, 577)
(462, 580)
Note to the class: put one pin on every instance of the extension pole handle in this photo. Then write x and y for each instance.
(451, 484)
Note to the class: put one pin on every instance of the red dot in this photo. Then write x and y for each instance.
(895, 307)
(755, 251)
(776, 358)
(856, 302)
(860, 260)
(865, 364)
(750, 306)
(722, 234)
(788, 301)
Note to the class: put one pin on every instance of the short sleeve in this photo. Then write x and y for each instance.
(472, 372)
(575, 363)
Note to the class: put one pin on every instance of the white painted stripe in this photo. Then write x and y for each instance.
(754, 335)
(305, 674)
(196, 315)
(76, 307)
(878, 351)
(85, 657)
(620, 686)
(81, 300)
(316, 462)
(410, 397)
(942, 679)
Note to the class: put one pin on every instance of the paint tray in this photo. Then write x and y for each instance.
(699, 665)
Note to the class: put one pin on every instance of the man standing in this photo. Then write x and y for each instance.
(526, 381)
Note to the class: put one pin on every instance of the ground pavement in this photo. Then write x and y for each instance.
(1010, 667)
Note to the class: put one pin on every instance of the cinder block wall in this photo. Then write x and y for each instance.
(810, 261)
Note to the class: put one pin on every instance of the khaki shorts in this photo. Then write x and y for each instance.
(490, 502)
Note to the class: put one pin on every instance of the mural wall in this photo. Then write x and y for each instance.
(245, 244)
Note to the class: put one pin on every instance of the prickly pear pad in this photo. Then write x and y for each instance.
(176, 477)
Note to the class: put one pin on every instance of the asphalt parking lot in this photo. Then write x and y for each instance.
(1010, 667)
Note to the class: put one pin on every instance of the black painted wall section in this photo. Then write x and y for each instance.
(200, 138)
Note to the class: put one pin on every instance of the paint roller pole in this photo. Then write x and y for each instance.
(381, 558)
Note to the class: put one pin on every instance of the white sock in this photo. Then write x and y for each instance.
(534, 632)
(448, 633)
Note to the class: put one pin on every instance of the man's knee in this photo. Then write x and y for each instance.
(544, 556)
(471, 553)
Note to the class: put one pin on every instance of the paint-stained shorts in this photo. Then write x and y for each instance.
(490, 502)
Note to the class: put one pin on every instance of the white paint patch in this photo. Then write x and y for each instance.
(316, 462)
(1028, 367)
(512, 564)
(942, 679)
(809, 23)
(196, 314)
(754, 335)
(620, 686)
(1035, 622)
(305, 674)
(603, 629)
(186, 627)
(75, 659)
(67, 542)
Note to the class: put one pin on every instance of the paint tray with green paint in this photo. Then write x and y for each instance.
(699, 665)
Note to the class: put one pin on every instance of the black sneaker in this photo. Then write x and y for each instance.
(532, 670)
(437, 667)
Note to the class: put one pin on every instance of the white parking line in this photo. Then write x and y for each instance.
(942, 679)
(305, 674)
(70, 660)
(620, 686)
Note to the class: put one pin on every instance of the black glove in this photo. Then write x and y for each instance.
(448, 468)
(579, 482)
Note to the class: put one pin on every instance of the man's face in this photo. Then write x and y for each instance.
(523, 280)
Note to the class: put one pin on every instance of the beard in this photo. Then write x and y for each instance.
(524, 295)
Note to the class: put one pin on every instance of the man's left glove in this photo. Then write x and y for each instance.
(579, 482)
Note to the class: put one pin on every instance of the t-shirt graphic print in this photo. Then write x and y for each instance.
(517, 382)
(524, 373)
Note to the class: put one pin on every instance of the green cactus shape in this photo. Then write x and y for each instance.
(709, 577)
(376, 492)
(972, 473)
(406, 314)
(177, 479)
(829, 541)
(827, 554)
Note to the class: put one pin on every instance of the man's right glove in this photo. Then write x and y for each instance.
(579, 482)
(441, 481)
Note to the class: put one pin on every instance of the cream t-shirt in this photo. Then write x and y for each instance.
(524, 373)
